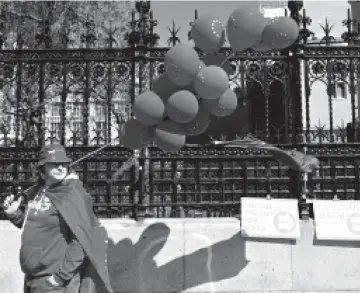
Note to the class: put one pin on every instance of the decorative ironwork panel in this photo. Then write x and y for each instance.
(62, 88)
(334, 77)
(338, 174)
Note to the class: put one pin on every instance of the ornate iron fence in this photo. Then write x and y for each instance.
(80, 97)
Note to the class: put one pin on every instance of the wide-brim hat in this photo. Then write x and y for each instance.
(53, 153)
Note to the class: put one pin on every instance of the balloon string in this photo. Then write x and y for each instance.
(230, 56)
(90, 154)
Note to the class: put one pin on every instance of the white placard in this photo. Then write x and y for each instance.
(337, 219)
(270, 218)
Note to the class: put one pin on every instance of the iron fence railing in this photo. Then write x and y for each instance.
(196, 181)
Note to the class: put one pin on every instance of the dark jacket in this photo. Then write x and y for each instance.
(76, 207)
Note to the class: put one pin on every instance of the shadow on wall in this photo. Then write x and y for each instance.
(132, 267)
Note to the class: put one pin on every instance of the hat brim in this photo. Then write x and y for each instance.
(43, 162)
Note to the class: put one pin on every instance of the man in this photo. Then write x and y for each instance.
(63, 246)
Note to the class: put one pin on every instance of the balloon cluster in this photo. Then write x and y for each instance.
(183, 99)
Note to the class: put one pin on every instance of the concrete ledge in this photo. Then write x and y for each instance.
(207, 255)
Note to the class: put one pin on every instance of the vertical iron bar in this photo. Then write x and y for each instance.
(41, 126)
(109, 185)
(290, 103)
(266, 101)
(307, 96)
(63, 104)
(85, 109)
(353, 100)
(133, 70)
(86, 105)
(297, 97)
(344, 182)
(162, 196)
(245, 179)
(140, 71)
(286, 99)
(18, 99)
(330, 102)
(132, 192)
(198, 193)
(109, 103)
(151, 53)
(244, 94)
(268, 178)
(109, 93)
(357, 179)
(132, 83)
(295, 63)
(151, 183)
(85, 129)
(140, 207)
(109, 126)
(174, 184)
(221, 181)
(333, 171)
(17, 127)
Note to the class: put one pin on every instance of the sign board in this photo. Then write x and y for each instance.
(337, 219)
(270, 218)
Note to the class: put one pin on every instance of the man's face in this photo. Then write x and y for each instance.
(55, 171)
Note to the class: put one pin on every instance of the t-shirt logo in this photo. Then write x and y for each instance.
(41, 205)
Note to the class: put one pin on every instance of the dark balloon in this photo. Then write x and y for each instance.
(217, 60)
(244, 28)
(281, 33)
(223, 106)
(149, 108)
(199, 123)
(208, 33)
(182, 106)
(134, 135)
(164, 87)
(181, 64)
(211, 82)
(169, 136)
(191, 87)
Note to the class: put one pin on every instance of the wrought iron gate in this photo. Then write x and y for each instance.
(80, 97)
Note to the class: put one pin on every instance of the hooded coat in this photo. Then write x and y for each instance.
(75, 206)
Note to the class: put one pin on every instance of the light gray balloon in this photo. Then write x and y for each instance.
(181, 64)
(211, 82)
(244, 28)
(208, 33)
(182, 106)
